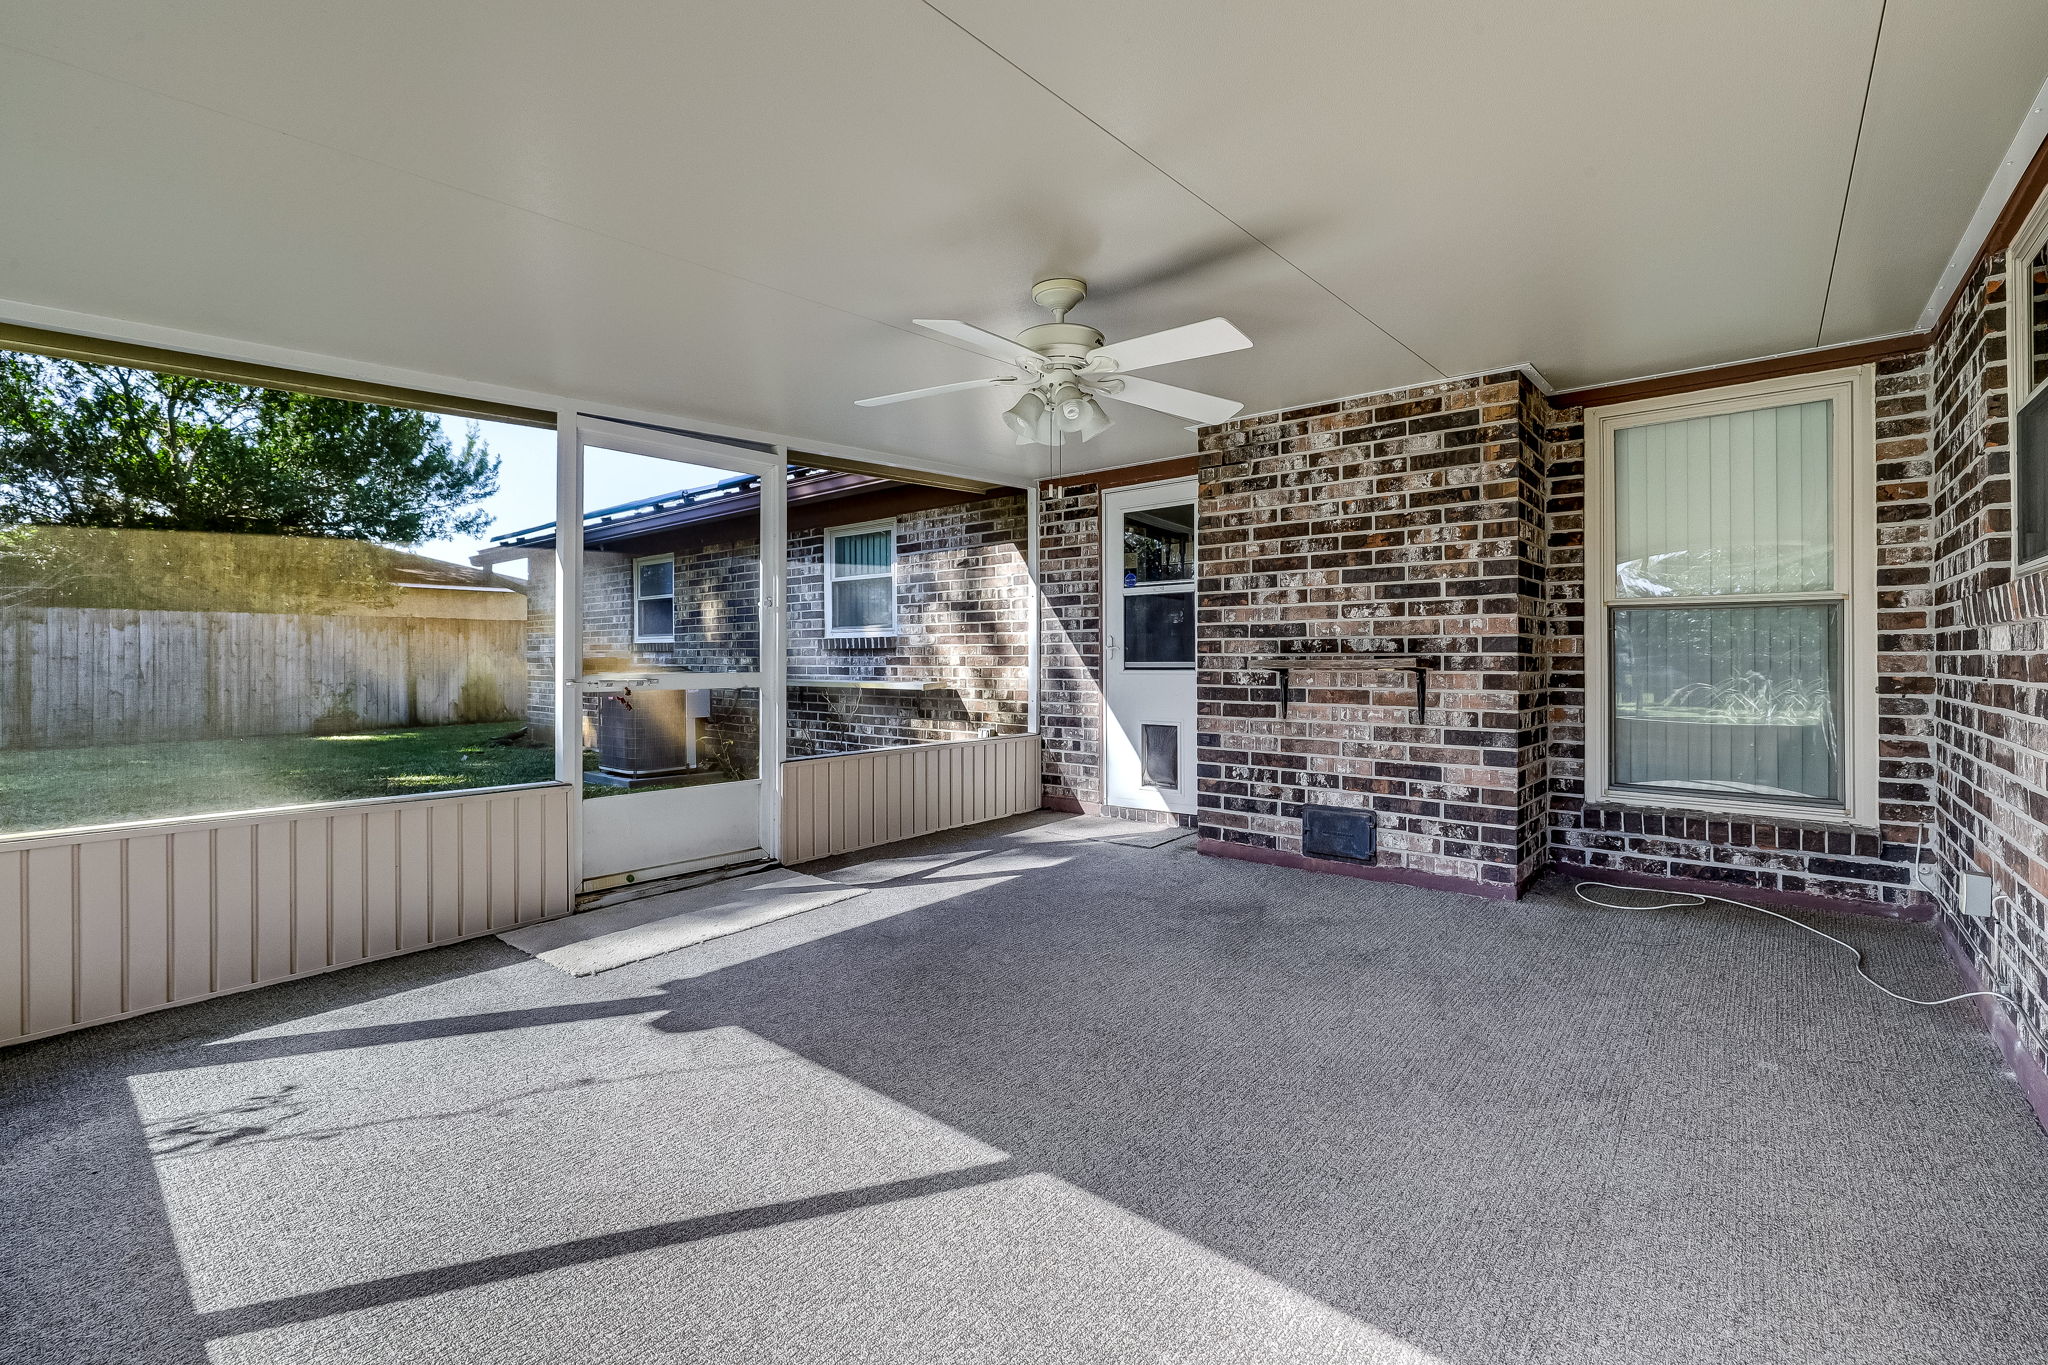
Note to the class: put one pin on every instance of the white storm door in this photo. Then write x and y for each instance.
(679, 673)
(1148, 640)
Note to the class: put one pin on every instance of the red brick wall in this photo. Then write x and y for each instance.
(963, 616)
(963, 611)
(1407, 523)
(1991, 660)
(1070, 669)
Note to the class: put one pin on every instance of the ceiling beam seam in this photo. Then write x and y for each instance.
(1855, 151)
(1189, 190)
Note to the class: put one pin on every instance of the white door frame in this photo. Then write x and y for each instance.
(574, 432)
(1115, 504)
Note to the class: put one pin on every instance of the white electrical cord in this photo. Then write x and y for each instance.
(1691, 899)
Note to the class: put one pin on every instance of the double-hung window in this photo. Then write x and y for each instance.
(2027, 314)
(654, 600)
(1731, 646)
(860, 579)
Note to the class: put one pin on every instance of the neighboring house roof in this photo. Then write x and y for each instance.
(409, 570)
(817, 497)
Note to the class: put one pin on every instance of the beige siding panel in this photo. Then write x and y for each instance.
(111, 924)
(312, 892)
(474, 827)
(272, 920)
(192, 914)
(345, 893)
(380, 882)
(102, 959)
(234, 898)
(13, 929)
(554, 840)
(843, 802)
(149, 921)
(504, 864)
(414, 883)
(444, 871)
(51, 945)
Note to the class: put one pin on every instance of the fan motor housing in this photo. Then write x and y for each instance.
(1060, 340)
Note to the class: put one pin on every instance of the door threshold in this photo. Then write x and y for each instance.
(631, 886)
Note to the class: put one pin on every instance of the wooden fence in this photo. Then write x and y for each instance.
(90, 676)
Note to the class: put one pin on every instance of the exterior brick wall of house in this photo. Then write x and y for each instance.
(1405, 523)
(1990, 648)
(1070, 666)
(963, 611)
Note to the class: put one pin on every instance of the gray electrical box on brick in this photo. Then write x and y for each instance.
(1338, 832)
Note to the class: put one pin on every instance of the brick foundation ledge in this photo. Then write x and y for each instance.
(2005, 1034)
(1921, 913)
(1273, 857)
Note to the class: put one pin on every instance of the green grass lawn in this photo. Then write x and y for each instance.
(59, 788)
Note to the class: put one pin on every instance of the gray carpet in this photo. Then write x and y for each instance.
(1048, 1100)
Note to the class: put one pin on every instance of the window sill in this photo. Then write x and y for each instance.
(1755, 812)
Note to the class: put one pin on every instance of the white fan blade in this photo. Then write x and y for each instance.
(909, 394)
(1204, 408)
(1191, 342)
(988, 343)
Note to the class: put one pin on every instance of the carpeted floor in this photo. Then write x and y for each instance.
(1047, 1100)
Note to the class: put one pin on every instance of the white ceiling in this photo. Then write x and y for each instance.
(729, 211)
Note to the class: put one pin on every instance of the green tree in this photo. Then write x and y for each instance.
(119, 449)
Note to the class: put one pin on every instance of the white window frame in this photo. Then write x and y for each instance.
(639, 597)
(1853, 429)
(2019, 353)
(832, 536)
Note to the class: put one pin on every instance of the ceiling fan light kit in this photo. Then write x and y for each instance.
(1066, 367)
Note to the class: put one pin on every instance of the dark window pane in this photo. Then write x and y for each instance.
(1159, 628)
(862, 604)
(1159, 545)
(1741, 700)
(1161, 745)
(657, 578)
(2031, 493)
(863, 551)
(657, 618)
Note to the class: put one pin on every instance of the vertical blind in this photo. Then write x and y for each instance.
(1738, 502)
(1744, 700)
(863, 586)
(1738, 698)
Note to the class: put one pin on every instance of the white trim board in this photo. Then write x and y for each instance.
(255, 353)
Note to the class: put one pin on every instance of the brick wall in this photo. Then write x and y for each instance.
(1991, 660)
(1870, 867)
(1401, 523)
(963, 603)
(1070, 667)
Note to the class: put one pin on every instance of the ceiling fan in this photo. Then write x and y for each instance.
(1063, 367)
